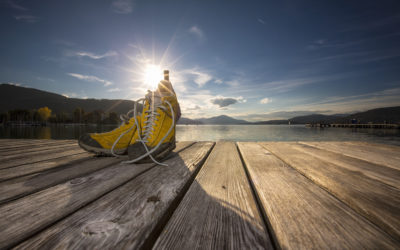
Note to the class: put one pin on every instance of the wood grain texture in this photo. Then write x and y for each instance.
(380, 173)
(219, 210)
(125, 217)
(301, 214)
(26, 169)
(6, 144)
(382, 155)
(34, 148)
(48, 150)
(24, 217)
(40, 157)
(375, 200)
(19, 187)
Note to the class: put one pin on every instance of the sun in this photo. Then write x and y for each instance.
(152, 75)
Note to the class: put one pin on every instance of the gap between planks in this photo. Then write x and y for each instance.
(302, 214)
(128, 213)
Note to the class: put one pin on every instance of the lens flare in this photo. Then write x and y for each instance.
(152, 75)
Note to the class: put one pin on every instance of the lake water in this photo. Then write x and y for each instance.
(221, 132)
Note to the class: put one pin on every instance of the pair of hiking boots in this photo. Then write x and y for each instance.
(145, 137)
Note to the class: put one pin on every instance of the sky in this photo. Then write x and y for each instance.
(252, 60)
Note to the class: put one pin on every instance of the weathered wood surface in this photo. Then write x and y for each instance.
(377, 201)
(46, 151)
(388, 175)
(30, 168)
(310, 194)
(7, 144)
(17, 161)
(129, 216)
(301, 214)
(26, 216)
(376, 153)
(219, 210)
(34, 148)
(22, 186)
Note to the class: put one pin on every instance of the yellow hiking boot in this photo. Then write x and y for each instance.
(110, 143)
(156, 136)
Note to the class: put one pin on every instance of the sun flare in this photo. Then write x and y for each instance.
(152, 75)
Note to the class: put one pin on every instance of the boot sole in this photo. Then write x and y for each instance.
(161, 153)
(101, 151)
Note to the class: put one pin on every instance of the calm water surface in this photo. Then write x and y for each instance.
(221, 132)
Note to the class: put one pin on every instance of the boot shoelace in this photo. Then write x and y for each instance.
(148, 130)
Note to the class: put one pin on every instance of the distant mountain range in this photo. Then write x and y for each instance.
(15, 97)
(380, 115)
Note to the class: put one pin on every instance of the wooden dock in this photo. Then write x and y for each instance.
(224, 195)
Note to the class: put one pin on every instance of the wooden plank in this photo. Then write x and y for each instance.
(22, 170)
(5, 145)
(61, 170)
(380, 173)
(373, 154)
(219, 210)
(125, 217)
(19, 187)
(301, 214)
(381, 146)
(40, 157)
(24, 217)
(48, 150)
(12, 146)
(375, 200)
(34, 148)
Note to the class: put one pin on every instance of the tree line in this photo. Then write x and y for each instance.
(45, 115)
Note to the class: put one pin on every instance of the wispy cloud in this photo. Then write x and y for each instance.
(218, 81)
(95, 56)
(261, 21)
(90, 78)
(199, 77)
(276, 115)
(69, 95)
(114, 90)
(222, 101)
(122, 6)
(197, 32)
(265, 100)
(233, 83)
(316, 44)
(15, 84)
(15, 5)
(27, 18)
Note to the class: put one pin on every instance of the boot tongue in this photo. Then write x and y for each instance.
(154, 97)
(165, 88)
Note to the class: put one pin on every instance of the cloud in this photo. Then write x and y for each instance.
(226, 101)
(16, 6)
(69, 95)
(122, 6)
(197, 32)
(200, 78)
(260, 21)
(90, 78)
(114, 90)
(27, 18)
(218, 81)
(265, 101)
(317, 44)
(95, 56)
(15, 84)
(233, 83)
